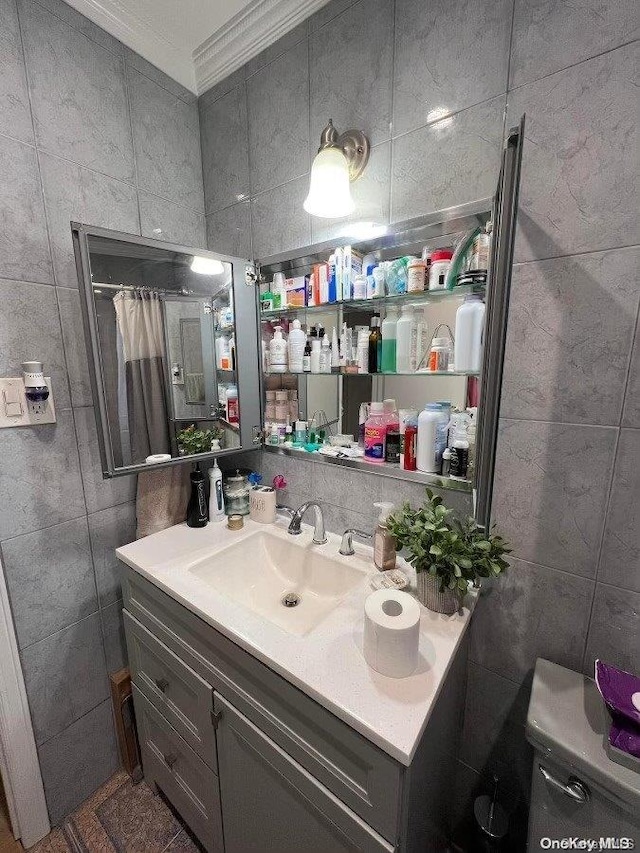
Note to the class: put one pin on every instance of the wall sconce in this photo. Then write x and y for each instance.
(340, 160)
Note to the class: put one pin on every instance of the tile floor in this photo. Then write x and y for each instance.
(119, 818)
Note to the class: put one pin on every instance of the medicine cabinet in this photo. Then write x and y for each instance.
(177, 336)
(170, 334)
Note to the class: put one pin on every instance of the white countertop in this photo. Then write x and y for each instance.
(327, 663)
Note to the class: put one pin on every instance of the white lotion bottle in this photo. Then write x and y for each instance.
(469, 334)
(216, 501)
(296, 345)
(278, 352)
(406, 341)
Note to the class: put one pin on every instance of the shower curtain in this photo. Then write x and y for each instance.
(139, 318)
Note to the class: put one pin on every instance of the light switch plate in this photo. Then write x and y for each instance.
(28, 414)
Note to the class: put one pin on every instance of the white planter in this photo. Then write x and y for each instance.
(429, 594)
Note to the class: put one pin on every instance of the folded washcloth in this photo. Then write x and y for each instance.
(621, 693)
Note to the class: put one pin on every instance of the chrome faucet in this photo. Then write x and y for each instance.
(319, 536)
(346, 546)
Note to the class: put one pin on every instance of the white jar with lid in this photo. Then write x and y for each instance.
(439, 354)
(440, 262)
(416, 276)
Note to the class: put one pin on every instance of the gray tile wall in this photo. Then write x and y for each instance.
(88, 131)
(567, 477)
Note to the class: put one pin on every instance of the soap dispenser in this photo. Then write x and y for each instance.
(384, 542)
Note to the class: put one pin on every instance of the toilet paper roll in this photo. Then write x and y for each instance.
(391, 632)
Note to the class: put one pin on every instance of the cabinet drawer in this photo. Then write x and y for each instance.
(359, 773)
(189, 785)
(272, 805)
(185, 699)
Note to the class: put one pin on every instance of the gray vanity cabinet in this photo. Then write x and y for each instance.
(254, 764)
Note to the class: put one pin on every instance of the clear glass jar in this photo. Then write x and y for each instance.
(236, 494)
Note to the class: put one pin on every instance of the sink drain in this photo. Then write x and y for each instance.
(291, 599)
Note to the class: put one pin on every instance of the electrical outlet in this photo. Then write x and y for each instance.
(16, 410)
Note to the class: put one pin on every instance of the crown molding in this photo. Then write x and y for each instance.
(249, 32)
(139, 33)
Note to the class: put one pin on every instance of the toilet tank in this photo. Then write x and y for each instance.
(577, 792)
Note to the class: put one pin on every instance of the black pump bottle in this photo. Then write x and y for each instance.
(197, 509)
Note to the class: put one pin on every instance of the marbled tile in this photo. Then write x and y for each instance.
(493, 737)
(399, 491)
(550, 489)
(75, 350)
(99, 492)
(115, 643)
(236, 78)
(15, 112)
(24, 247)
(30, 325)
(50, 579)
(137, 62)
(277, 49)
(109, 529)
(429, 75)
(77, 761)
(631, 410)
(570, 333)
(328, 12)
(81, 23)
(371, 194)
(578, 191)
(40, 482)
(166, 135)
(337, 519)
(229, 230)
(65, 676)
(447, 163)
(279, 222)
(620, 557)
(531, 612)
(278, 104)
(549, 35)
(350, 63)
(164, 220)
(75, 194)
(224, 139)
(345, 487)
(81, 111)
(614, 632)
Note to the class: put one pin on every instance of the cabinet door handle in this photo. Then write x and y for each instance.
(574, 788)
(170, 759)
(162, 684)
(216, 716)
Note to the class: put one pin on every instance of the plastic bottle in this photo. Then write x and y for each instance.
(315, 355)
(296, 345)
(446, 461)
(410, 445)
(222, 353)
(459, 456)
(375, 345)
(384, 543)
(216, 502)
(197, 510)
(335, 349)
(440, 263)
(363, 414)
(360, 287)
(231, 404)
(375, 433)
(469, 333)
(429, 420)
(279, 290)
(378, 280)
(325, 355)
(406, 341)
(389, 334)
(300, 435)
(278, 352)
(306, 358)
(392, 443)
(362, 350)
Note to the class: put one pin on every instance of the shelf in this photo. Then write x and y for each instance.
(422, 373)
(383, 468)
(230, 373)
(371, 305)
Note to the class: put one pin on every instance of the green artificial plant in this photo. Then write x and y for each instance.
(191, 440)
(457, 553)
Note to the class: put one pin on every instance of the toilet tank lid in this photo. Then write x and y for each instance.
(567, 721)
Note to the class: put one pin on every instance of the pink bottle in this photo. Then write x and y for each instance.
(375, 433)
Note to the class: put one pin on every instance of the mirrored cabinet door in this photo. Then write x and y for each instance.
(163, 345)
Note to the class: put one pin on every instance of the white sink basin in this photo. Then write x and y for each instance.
(259, 571)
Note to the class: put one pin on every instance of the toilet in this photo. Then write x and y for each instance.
(577, 791)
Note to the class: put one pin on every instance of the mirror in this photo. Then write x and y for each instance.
(161, 321)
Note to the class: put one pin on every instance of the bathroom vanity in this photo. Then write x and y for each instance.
(263, 726)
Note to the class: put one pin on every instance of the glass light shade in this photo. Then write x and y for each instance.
(206, 266)
(329, 190)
